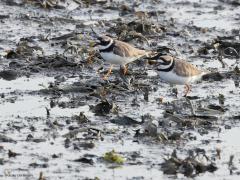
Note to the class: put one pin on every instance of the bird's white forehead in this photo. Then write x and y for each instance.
(105, 38)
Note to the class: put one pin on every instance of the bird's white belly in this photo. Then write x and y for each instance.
(173, 78)
(115, 59)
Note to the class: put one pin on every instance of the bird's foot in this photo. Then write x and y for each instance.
(187, 90)
(108, 73)
(125, 70)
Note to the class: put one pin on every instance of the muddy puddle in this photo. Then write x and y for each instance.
(60, 120)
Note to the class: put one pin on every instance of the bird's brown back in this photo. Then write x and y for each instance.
(127, 50)
(183, 68)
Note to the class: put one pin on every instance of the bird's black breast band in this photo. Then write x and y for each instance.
(169, 68)
(109, 49)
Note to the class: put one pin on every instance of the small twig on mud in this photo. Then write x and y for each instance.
(95, 129)
(90, 14)
(175, 118)
(230, 164)
(72, 48)
(220, 58)
(77, 1)
(94, 32)
(157, 16)
(48, 111)
(191, 106)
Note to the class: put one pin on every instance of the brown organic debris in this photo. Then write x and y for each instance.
(189, 166)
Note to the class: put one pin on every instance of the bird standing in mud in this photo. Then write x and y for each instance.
(176, 71)
(118, 52)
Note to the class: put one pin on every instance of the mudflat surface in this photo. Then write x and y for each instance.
(60, 120)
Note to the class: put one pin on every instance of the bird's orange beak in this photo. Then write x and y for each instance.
(95, 44)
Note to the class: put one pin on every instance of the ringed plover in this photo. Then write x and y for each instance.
(118, 52)
(176, 71)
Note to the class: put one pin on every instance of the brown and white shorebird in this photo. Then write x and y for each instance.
(176, 71)
(117, 52)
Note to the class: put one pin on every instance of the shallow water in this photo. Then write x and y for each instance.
(23, 107)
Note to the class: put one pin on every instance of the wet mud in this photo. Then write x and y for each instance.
(61, 120)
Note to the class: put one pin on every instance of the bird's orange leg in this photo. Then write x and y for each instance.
(108, 73)
(125, 69)
(187, 89)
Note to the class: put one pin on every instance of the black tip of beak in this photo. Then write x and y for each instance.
(152, 62)
(99, 38)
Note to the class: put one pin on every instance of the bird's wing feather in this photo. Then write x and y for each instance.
(183, 68)
(126, 50)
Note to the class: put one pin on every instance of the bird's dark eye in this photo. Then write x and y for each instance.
(164, 63)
